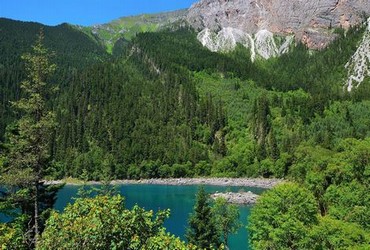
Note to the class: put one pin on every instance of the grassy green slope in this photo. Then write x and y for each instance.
(127, 27)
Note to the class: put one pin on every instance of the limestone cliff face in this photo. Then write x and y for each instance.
(359, 64)
(251, 21)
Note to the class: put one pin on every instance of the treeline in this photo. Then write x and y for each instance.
(165, 106)
(181, 47)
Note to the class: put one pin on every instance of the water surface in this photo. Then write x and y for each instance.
(179, 199)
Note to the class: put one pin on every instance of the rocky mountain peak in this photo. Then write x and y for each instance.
(309, 21)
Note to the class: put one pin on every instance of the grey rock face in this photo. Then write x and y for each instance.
(359, 64)
(308, 20)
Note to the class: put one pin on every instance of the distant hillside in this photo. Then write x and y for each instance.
(127, 27)
(73, 50)
(67, 41)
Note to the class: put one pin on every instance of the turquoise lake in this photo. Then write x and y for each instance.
(179, 199)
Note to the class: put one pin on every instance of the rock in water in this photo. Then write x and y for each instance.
(242, 198)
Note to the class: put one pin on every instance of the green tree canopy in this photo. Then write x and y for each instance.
(104, 223)
(281, 217)
(227, 217)
(336, 234)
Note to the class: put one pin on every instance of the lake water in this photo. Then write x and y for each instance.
(179, 199)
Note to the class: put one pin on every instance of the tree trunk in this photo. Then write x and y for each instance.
(226, 241)
(36, 207)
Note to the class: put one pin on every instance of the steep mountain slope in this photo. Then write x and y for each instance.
(70, 45)
(252, 23)
(73, 51)
(161, 106)
(127, 27)
(169, 107)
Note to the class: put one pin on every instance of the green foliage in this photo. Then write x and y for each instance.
(165, 106)
(349, 202)
(203, 231)
(28, 143)
(131, 121)
(282, 217)
(338, 180)
(73, 49)
(103, 222)
(28, 146)
(7, 235)
(227, 217)
(126, 28)
(336, 234)
(12, 235)
(166, 241)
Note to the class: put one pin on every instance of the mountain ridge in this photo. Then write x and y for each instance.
(127, 27)
(254, 24)
(309, 21)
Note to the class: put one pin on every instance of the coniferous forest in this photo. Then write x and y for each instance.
(162, 105)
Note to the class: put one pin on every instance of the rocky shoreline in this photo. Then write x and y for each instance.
(240, 182)
(240, 198)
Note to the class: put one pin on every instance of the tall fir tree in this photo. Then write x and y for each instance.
(29, 143)
(261, 124)
(203, 231)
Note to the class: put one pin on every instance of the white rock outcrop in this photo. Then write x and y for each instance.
(223, 23)
(260, 44)
(359, 64)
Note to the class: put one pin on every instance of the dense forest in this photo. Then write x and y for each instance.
(162, 105)
(72, 51)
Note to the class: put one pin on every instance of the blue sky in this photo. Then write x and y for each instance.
(84, 12)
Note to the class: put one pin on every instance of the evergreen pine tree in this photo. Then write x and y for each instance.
(29, 143)
(261, 125)
(202, 230)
